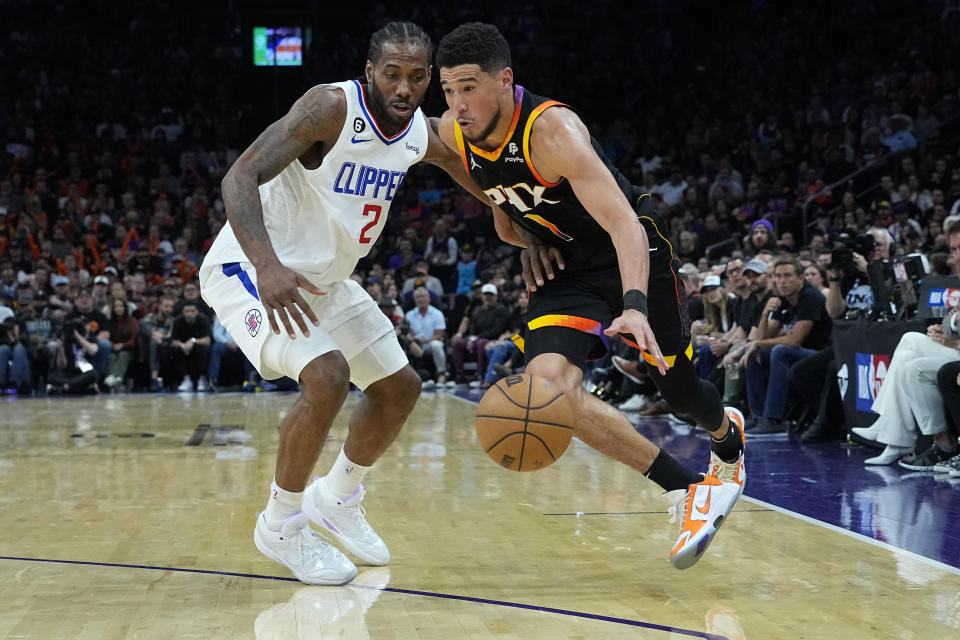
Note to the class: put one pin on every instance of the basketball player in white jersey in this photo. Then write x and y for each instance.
(304, 203)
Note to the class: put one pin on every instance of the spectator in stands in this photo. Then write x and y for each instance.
(762, 237)
(441, 252)
(817, 278)
(191, 293)
(99, 292)
(37, 329)
(503, 355)
(190, 340)
(123, 330)
(71, 370)
(98, 327)
(909, 396)
(793, 325)
(486, 323)
(948, 383)
(156, 336)
(718, 321)
(14, 360)
(225, 347)
(421, 277)
(428, 326)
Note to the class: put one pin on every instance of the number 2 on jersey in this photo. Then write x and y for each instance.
(376, 210)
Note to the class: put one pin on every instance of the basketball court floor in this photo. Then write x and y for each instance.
(132, 517)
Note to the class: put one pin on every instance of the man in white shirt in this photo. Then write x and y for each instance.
(428, 326)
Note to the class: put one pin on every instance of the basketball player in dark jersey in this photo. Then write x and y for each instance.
(557, 195)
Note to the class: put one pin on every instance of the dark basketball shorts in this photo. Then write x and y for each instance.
(567, 315)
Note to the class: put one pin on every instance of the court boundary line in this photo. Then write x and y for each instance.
(430, 594)
(857, 536)
(826, 525)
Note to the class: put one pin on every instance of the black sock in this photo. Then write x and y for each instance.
(670, 474)
(729, 447)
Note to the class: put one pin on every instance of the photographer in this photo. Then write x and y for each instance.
(72, 369)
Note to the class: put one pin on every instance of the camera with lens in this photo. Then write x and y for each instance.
(74, 326)
(841, 258)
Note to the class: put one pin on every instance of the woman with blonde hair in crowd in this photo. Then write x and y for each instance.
(717, 320)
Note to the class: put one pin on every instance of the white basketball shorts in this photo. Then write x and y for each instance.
(350, 322)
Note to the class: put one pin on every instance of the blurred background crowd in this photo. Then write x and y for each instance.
(789, 148)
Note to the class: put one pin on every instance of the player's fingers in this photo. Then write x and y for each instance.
(654, 349)
(305, 284)
(285, 320)
(526, 272)
(534, 261)
(557, 256)
(547, 263)
(294, 308)
(270, 315)
(307, 309)
(613, 329)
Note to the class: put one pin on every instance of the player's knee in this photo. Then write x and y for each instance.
(325, 377)
(398, 392)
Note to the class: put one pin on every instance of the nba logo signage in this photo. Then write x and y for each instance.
(871, 370)
(944, 298)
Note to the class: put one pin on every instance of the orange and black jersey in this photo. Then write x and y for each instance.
(549, 211)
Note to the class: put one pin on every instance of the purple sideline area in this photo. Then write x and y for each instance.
(918, 512)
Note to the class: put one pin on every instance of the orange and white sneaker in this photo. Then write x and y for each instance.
(731, 471)
(702, 508)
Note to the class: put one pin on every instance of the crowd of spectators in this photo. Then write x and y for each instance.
(768, 134)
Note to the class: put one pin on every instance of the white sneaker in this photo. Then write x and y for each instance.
(475, 384)
(302, 550)
(735, 472)
(890, 454)
(636, 402)
(701, 509)
(346, 520)
(202, 384)
(427, 385)
(951, 466)
(185, 386)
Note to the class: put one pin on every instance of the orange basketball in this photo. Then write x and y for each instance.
(524, 422)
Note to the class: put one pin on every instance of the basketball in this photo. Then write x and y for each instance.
(524, 422)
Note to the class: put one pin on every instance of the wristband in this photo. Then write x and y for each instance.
(635, 299)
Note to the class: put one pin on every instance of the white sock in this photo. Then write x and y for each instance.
(281, 505)
(345, 476)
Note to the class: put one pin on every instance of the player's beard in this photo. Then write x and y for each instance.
(383, 113)
(494, 121)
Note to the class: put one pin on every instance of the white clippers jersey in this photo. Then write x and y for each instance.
(322, 221)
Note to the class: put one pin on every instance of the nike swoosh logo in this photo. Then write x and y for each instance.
(653, 249)
(706, 505)
(354, 140)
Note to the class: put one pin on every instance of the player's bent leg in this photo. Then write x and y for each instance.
(283, 532)
(391, 388)
(690, 395)
(324, 384)
(595, 422)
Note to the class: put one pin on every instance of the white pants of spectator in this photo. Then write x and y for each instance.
(909, 392)
(435, 349)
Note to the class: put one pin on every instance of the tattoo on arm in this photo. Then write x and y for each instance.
(317, 117)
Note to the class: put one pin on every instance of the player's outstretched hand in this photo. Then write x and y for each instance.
(537, 260)
(634, 322)
(279, 289)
